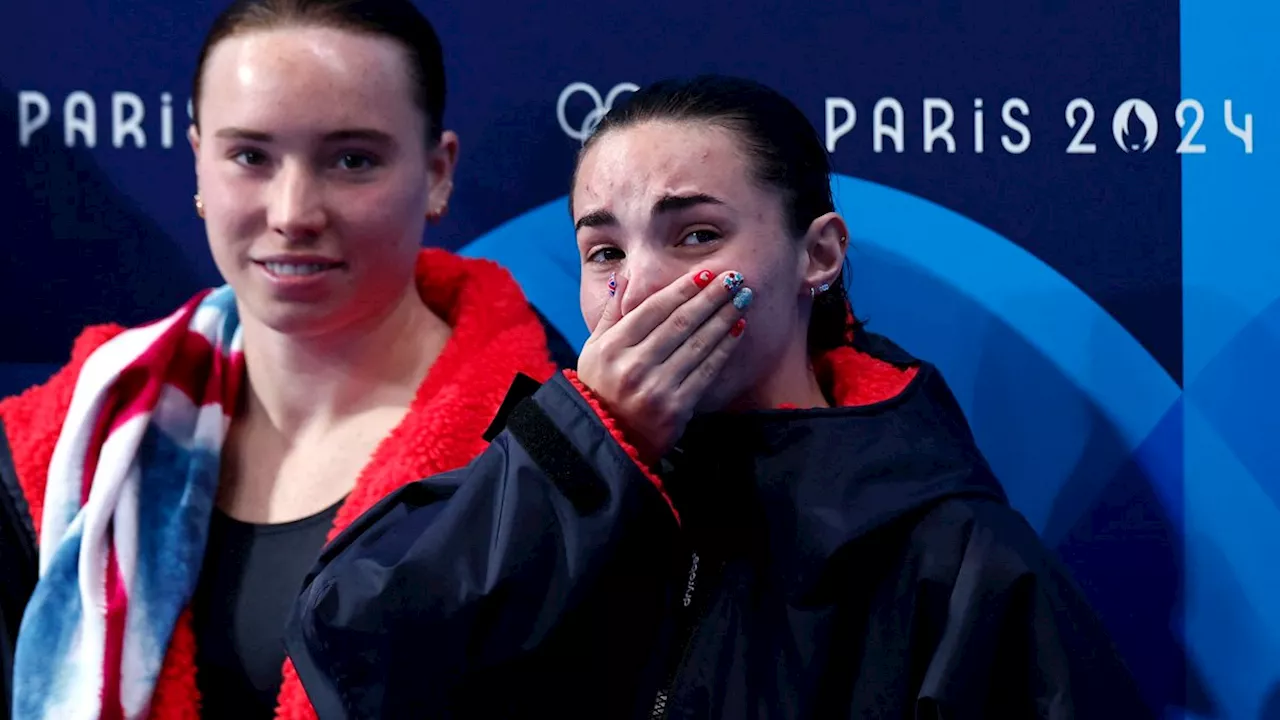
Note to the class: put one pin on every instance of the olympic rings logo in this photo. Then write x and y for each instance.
(602, 106)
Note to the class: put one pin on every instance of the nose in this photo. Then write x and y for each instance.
(296, 207)
(647, 273)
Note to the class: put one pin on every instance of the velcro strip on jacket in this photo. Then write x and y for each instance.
(557, 457)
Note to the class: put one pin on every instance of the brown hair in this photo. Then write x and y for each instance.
(396, 19)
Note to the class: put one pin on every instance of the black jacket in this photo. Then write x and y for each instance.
(19, 566)
(858, 562)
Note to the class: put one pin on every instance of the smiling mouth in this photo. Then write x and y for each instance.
(285, 269)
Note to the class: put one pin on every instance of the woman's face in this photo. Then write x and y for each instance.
(315, 173)
(660, 201)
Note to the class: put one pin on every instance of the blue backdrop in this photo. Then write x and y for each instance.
(1060, 203)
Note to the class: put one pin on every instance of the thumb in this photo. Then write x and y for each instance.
(612, 312)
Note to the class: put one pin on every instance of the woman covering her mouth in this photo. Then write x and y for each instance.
(171, 485)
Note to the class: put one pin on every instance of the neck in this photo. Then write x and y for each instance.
(792, 383)
(313, 382)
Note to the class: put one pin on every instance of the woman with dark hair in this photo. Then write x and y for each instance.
(742, 505)
(171, 485)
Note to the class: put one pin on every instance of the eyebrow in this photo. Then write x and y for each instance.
(369, 134)
(597, 218)
(676, 203)
(666, 204)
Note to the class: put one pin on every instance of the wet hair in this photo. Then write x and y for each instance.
(399, 20)
(784, 150)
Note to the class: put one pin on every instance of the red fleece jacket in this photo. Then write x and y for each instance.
(495, 336)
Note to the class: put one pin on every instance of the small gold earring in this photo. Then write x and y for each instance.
(199, 205)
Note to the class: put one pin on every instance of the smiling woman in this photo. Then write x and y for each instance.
(313, 132)
(175, 481)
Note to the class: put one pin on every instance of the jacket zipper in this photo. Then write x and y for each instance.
(690, 615)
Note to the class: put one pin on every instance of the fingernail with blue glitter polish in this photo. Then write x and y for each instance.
(733, 281)
(743, 298)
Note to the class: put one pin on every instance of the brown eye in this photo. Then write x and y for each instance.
(605, 255)
(250, 157)
(357, 161)
(699, 237)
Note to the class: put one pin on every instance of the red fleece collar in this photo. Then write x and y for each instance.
(495, 335)
(854, 378)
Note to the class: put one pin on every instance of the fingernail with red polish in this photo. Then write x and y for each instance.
(703, 279)
(733, 281)
(613, 284)
(738, 327)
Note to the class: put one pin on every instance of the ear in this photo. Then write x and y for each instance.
(824, 247)
(441, 161)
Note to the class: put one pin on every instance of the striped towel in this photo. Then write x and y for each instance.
(126, 512)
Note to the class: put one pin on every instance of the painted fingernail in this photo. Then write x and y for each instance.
(733, 281)
(738, 327)
(743, 298)
(613, 284)
(703, 279)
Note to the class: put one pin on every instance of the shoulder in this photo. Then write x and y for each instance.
(33, 419)
(489, 312)
(984, 557)
(55, 392)
(988, 539)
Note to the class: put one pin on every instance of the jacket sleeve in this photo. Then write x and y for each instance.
(1019, 639)
(465, 588)
(18, 567)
